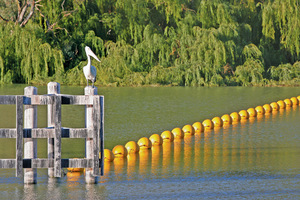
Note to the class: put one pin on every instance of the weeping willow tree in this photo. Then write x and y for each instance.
(26, 57)
(250, 73)
(181, 42)
(286, 72)
(281, 28)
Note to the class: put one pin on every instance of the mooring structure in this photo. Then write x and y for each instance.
(26, 133)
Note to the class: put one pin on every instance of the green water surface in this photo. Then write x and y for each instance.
(255, 159)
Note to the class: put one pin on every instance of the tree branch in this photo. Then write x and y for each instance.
(62, 14)
(30, 13)
(21, 15)
(19, 7)
(3, 19)
(62, 5)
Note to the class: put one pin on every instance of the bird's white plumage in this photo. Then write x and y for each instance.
(90, 71)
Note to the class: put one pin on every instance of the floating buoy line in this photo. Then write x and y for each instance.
(145, 143)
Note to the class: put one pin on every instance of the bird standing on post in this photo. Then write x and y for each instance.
(90, 71)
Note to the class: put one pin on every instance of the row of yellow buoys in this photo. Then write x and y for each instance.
(144, 143)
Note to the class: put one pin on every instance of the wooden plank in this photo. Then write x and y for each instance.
(57, 139)
(8, 133)
(89, 175)
(37, 163)
(39, 133)
(30, 144)
(75, 133)
(77, 99)
(53, 88)
(7, 99)
(42, 100)
(96, 135)
(102, 135)
(8, 163)
(19, 136)
(47, 133)
(45, 163)
(38, 99)
(77, 163)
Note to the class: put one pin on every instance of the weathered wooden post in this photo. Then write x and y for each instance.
(53, 88)
(30, 144)
(89, 154)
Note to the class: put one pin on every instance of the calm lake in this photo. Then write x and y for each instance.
(255, 159)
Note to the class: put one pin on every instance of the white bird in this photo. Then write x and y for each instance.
(90, 71)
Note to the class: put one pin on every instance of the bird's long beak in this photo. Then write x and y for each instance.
(91, 53)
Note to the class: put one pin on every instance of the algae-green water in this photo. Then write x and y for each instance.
(254, 159)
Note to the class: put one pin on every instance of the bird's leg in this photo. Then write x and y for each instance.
(87, 82)
(93, 84)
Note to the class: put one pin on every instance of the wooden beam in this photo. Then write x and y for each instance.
(77, 100)
(8, 99)
(102, 135)
(39, 133)
(57, 139)
(8, 133)
(45, 163)
(30, 144)
(89, 143)
(8, 163)
(75, 133)
(19, 136)
(96, 135)
(77, 163)
(38, 100)
(53, 88)
(48, 99)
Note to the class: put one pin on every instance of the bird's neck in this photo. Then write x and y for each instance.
(89, 62)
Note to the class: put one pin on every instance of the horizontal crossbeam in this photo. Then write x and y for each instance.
(45, 163)
(48, 133)
(49, 99)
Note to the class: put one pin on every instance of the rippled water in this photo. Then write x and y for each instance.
(254, 159)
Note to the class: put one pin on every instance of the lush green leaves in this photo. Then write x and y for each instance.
(181, 42)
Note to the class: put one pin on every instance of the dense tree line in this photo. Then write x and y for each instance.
(143, 42)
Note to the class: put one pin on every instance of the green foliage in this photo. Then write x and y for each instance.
(250, 73)
(27, 57)
(285, 72)
(145, 42)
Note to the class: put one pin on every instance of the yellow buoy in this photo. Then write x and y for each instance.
(288, 102)
(178, 133)
(298, 97)
(119, 151)
(260, 110)
(267, 108)
(144, 143)
(217, 122)
(188, 130)
(132, 147)
(208, 124)
(167, 136)
(251, 112)
(227, 120)
(156, 140)
(75, 169)
(294, 101)
(244, 114)
(235, 117)
(275, 106)
(281, 104)
(198, 126)
(73, 176)
(108, 155)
